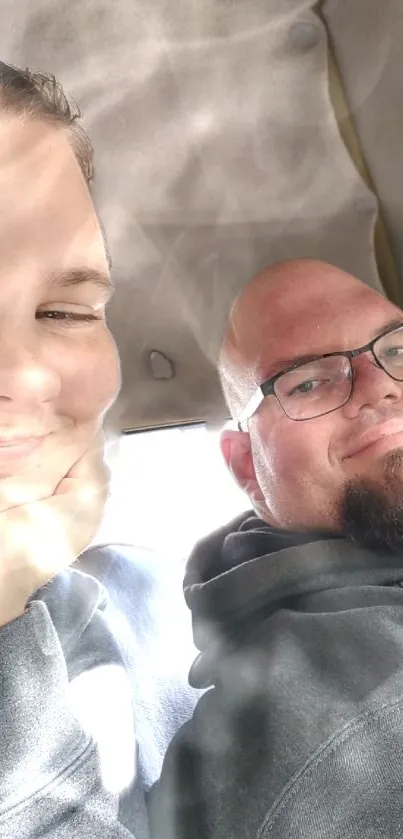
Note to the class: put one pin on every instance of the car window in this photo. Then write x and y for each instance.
(169, 487)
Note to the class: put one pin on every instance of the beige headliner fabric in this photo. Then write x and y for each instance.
(370, 59)
(217, 152)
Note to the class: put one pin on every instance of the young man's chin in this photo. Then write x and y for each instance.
(15, 456)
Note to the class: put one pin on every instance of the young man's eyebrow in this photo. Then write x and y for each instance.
(79, 276)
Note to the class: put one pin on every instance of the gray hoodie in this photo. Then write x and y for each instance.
(67, 748)
(300, 735)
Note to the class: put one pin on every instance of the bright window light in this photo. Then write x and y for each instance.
(169, 488)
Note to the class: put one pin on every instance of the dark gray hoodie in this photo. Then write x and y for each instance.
(300, 735)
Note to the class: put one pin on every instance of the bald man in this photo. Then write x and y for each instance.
(298, 606)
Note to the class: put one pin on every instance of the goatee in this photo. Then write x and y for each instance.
(371, 511)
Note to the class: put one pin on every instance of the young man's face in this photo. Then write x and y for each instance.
(304, 469)
(59, 369)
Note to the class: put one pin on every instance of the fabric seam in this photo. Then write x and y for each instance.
(330, 746)
(69, 770)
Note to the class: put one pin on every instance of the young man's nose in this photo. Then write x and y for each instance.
(25, 377)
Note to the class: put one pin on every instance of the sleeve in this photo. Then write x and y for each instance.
(54, 777)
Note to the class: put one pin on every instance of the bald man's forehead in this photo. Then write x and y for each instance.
(296, 280)
(306, 306)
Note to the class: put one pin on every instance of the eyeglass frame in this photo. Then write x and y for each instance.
(267, 387)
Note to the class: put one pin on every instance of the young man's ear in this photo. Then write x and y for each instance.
(236, 450)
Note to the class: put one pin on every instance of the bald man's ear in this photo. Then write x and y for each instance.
(236, 450)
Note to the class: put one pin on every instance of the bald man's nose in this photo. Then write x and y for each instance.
(371, 387)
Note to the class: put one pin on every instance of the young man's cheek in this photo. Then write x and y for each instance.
(90, 378)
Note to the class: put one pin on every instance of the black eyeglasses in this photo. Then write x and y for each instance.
(323, 384)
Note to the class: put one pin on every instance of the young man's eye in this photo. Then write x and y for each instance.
(62, 315)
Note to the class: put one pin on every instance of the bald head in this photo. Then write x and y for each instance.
(338, 470)
(277, 303)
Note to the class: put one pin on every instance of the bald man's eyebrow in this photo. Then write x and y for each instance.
(80, 276)
(393, 324)
(295, 361)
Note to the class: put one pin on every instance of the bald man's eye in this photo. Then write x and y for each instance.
(307, 387)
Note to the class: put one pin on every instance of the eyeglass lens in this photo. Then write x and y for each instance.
(323, 385)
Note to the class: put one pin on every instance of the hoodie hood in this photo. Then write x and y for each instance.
(246, 570)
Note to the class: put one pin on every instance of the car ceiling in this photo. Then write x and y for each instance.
(228, 134)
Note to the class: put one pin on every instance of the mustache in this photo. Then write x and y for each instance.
(368, 428)
(374, 417)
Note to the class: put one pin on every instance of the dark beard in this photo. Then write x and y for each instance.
(371, 512)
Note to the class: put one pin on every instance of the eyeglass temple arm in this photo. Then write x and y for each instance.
(251, 407)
